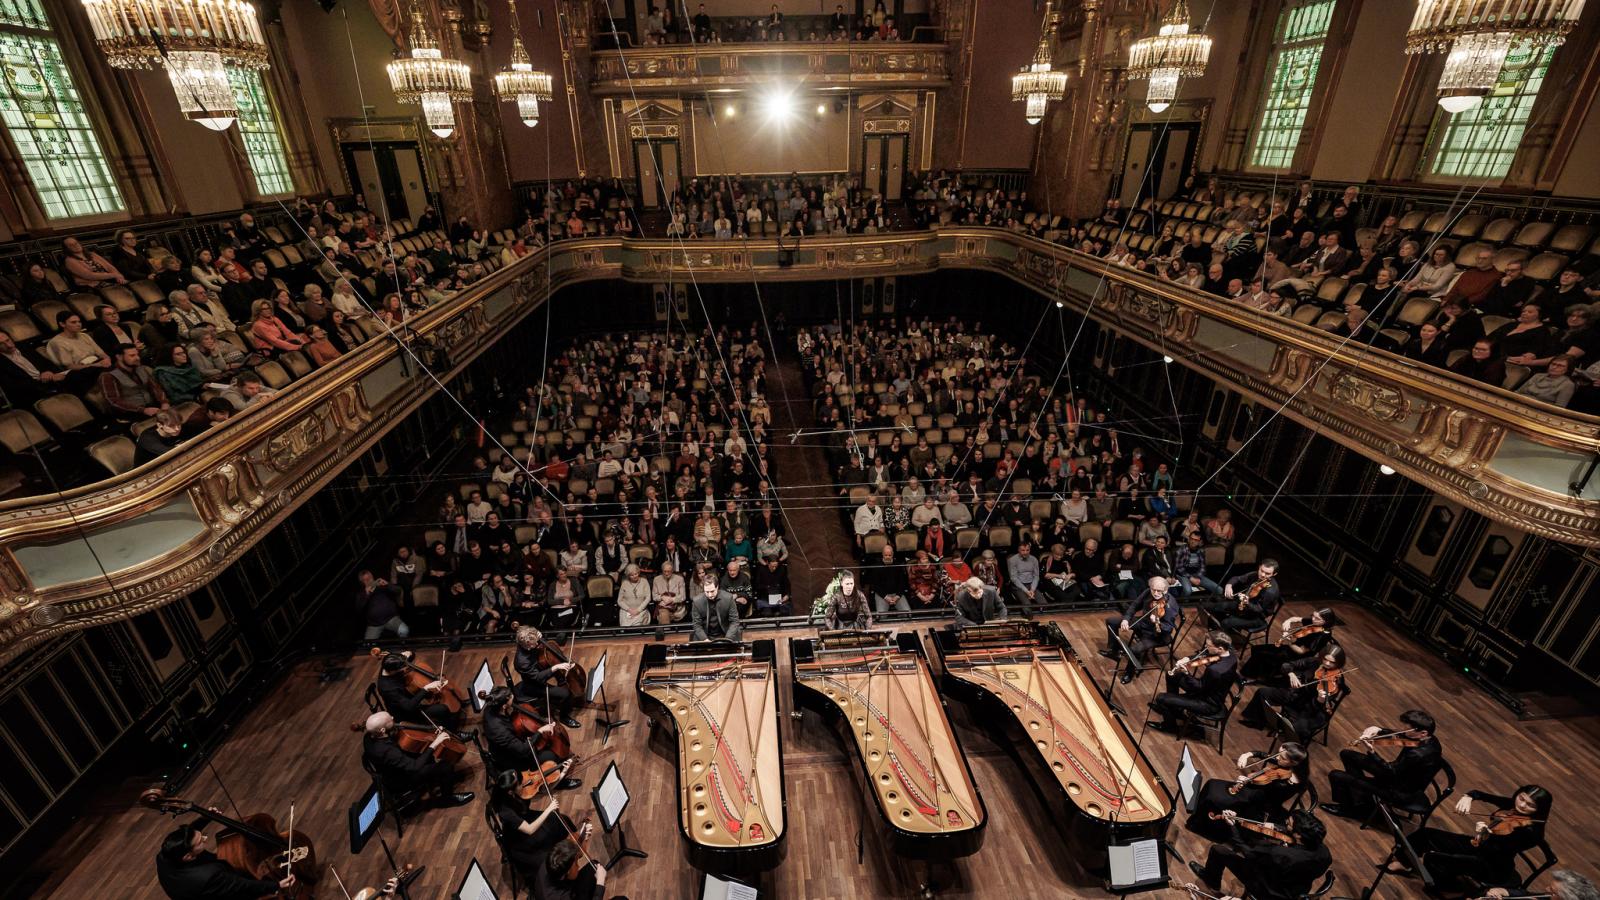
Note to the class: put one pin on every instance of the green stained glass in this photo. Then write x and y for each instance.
(41, 109)
(258, 126)
(24, 14)
(1296, 56)
(1481, 142)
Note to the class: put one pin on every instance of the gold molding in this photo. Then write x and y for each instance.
(671, 68)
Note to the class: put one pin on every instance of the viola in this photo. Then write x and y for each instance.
(1196, 667)
(1252, 592)
(418, 678)
(1265, 829)
(253, 846)
(1301, 633)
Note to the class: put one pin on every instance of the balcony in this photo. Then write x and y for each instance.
(164, 529)
(675, 68)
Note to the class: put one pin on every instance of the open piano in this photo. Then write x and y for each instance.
(720, 700)
(1024, 682)
(878, 693)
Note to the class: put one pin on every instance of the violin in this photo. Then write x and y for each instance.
(418, 679)
(1252, 592)
(1390, 739)
(253, 845)
(1265, 829)
(1195, 667)
(1328, 681)
(1301, 633)
(1272, 773)
(415, 739)
(1503, 822)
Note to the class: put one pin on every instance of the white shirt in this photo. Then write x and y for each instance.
(869, 518)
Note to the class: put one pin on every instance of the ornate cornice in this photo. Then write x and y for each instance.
(672, 68)
(1501, 455)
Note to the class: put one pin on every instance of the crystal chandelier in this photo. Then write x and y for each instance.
(429, 80)
(1037, 84)
(196, 41)
(1476, 35)
(1168, 56)
(519, 82)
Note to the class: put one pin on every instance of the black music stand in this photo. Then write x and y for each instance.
(1402, 851)
(611, 797)
(597, 687)
(402, 882)
(1126, 663)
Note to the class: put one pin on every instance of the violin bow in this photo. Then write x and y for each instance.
(288, 856)
(552, 795)
(342, 889)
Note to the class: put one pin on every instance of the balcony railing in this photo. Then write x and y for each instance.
(676, 67)
(169, 526)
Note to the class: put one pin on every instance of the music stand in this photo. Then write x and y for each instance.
(1137, 866)
(721, 887)
(597, 687)
(1126, 658)
(610, 799)
(364, 816)
(1404, 851)
(475, 884)
(1189, 779)
(483, 682)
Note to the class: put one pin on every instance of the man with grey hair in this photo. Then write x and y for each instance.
(1565, 884)
(978, 604)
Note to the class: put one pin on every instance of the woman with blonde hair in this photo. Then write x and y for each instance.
(269, 335)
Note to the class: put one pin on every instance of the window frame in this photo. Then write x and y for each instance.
(268, 102)
(1442, 124)
(1282, 47)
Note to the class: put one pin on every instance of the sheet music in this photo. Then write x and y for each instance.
(717, 889)
(1136, 863)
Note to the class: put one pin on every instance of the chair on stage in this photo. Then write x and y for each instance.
(495, 828)
(1323, 886)
(1422, 807)
(1217, 722)
(373, 700)
(398, 804)
(1284, 730)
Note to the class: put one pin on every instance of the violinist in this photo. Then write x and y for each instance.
(1198, 684)
(1270, 869)
(1152, 620)
(1309, 699)
(556, 880)
(1265, 785)
(507, 749)
(526, 837)
(1565, 884)
(404, 772)
(417, 707)
(1248, 601)
(538, 679)
(1489, 854)
(1302, 637)
(188, 870)
(1368, 777)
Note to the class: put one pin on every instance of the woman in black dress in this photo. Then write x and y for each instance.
(1265, 786)
(1302, 637)
(1488, 855)
(1315, 685)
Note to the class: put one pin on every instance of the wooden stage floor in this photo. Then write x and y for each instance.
(297, 746)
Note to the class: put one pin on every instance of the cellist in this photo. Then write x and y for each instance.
(507, 749)
(188, 870)
(557, 881)
(403, 772)
(539, 681)
(417, 707)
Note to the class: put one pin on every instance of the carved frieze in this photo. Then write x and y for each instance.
(1379, 401)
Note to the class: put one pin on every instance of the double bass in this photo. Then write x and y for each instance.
(255, 845)
(418, 678)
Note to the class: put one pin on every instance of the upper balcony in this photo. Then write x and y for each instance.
(117, 548)
(815, 65)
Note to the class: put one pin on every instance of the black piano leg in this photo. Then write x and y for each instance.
(929, 886)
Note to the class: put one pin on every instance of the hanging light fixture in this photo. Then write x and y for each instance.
(519, 82)
(1477, 35)
(1168, 56)
(1038, 83)
(430, 80)
(196, 41)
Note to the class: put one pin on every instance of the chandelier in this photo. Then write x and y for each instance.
(429, 79)
(1476, 35)
(1168, 56)
(196, 41)
(519, 82)
(1037, 84)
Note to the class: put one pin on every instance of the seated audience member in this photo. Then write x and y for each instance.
(26, 376)
(128, 259)
(1475, 284)
(268, 334)
(87, 269)
(319, 347)
(1528, 341)
(179, 378)
(1554, 385)
(131, 389)
(34, 287)
(109, 332)
(1509, 293)
(1483, 364)
(158, 439)
(247, 390)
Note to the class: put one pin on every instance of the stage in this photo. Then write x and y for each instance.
(297, 746)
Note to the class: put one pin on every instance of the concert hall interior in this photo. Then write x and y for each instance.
(473, 449)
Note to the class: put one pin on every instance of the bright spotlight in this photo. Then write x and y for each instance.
(1167, 360)
(779, 106)
(1060, 305)
(730, 110)
(822, 108)
(1387, 470)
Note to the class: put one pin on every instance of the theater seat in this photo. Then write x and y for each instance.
(114, 453)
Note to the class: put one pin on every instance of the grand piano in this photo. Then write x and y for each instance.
(719, 699)
(876, 691)
(1026, 685)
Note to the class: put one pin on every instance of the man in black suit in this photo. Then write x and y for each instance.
(978, 604)
(1238, 610)
(402, 772)
(552, 882)
(26, 376)
(418, 708)
(188, 870)
(1368, 777)
(1271, 869)
(1196, 689)
(1146, 630)
(538, 682)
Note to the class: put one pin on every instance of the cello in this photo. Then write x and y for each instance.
(577, 678)
(418, 678)
(255, 847)
(526, 723)
(414, 739)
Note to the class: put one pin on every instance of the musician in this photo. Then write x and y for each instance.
(1198, 684)
(403, 772)
(537, 682)
(1267, 782)
(1315, 686)
(188, 870)
(1142, 627)
(552, 882)
(507, 750)
(1301, 638)
(525, 837)
(1368, 777)
(714, 614)
(847, 607)
(1489, 855)
(416, 707)
(1248, 601)
(1565, 884)
(1271, 869)
(978, 604)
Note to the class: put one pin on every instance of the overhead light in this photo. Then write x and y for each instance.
(1477, 35)
(1386, 469)
(196, 41)
(1039, 82)
(1060, 305)
(778, 105)
(730, 110)
(1167, 360)
(822, 108)
(518, 82)
(1168, 56)
(429, 79)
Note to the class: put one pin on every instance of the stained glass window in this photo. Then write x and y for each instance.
(258, 126)
(1296, 55)
(41, 110)
(1481, 142)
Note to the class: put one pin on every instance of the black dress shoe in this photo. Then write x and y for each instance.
(457, 799)
(1109, 654)
(568, 784)
(1334, 809)
(570, 722)
(1163, 727)
(1200, 871)
(1127, 678)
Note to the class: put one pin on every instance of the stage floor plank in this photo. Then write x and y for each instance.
(296, 746)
